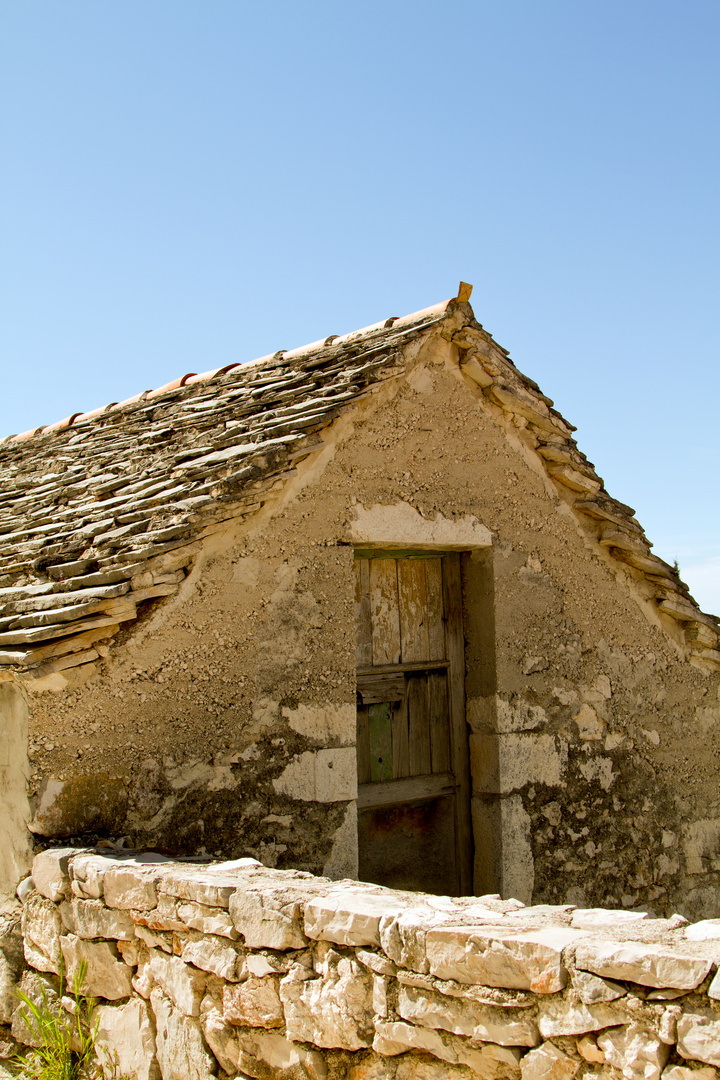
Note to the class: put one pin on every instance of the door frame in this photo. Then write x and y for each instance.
(398, 527)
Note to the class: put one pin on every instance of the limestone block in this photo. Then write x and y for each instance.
(706, 930)
(154, 939)
(130, 952)
(483, 1023)
(210, 886)
(91, 919)
(208, 920)
(323, 776)
(604, 918)
(269, 1054)
(588, 1049)
(253, 1003)
(529, 961)
(698, 1036)
(257, 964)
(350, 916)
(380, 1000)
(548, 1063)
(342, 862)
(164, 917)
(489, 1062)
(125, 1040)
(332, 1011)
(501, 764)
(701, 845)
(649, 965)
(682, 1072)
(592, 989)
(86, 875)
(210, 953)
(106, 975)
(266, 921)
(517, 867)
(403, 937)
(131, 886)
(570, 1016)
(376, 962)
(180, 1047)
(324, 723)
(635, 1050)
(183, 985)
(514, 715)
(220, 1036)
(42, 990)
(50, 872)
(12, 962)
(42, 927)
(410, 1067)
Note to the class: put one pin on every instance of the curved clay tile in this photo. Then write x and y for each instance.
(60, 424)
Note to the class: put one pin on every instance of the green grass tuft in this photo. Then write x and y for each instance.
(67, 1042)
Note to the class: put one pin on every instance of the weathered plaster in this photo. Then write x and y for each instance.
(15, 852)
(401, 526)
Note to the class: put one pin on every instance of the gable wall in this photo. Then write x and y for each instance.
(593, 745)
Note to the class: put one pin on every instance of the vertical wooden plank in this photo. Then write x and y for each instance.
(419, 725)
(439, 722)
(380, 742)
(459, 747)
(385, 616)
(412, 598)
(363, 631)
(400, 741)
(363, 745)
(436, 623)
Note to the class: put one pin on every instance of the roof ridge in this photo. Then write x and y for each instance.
(192, 377)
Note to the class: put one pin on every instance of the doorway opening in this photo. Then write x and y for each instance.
(414, 826)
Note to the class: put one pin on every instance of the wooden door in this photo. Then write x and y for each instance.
(413, 775)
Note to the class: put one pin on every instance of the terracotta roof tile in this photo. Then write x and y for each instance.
(60, 424)
(174, 385)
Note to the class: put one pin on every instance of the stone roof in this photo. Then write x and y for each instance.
(102, 514)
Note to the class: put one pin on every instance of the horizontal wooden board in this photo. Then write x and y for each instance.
(382, 686)
(409, 789)
(421, 665)
(386, 553)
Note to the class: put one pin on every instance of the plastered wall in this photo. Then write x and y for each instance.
(15, 850)
(225, 723)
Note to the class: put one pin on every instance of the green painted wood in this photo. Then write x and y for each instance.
(380, 733)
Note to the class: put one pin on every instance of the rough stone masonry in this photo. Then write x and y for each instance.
(233, 969)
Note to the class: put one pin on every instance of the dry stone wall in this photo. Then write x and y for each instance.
(234, 969)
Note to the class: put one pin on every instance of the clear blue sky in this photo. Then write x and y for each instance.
(187, 184)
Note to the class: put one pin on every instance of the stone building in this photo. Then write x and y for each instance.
(361, 609)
